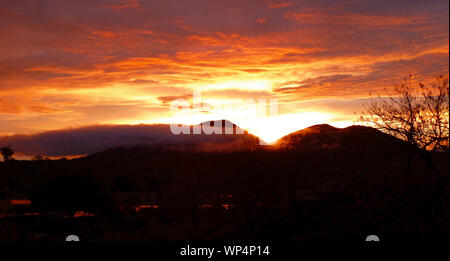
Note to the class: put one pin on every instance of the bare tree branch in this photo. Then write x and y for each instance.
(420, 116)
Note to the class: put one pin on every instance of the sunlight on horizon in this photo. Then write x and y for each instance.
(269, 129)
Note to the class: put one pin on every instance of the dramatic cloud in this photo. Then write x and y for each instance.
(75, 63)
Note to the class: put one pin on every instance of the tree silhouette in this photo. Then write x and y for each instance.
(6, 151)
(435, 129)
(418, 116)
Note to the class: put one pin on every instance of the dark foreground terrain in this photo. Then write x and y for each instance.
(319, 183)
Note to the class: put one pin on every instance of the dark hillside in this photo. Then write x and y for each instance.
(318, 183)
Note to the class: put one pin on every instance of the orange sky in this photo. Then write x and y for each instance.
(75, 63)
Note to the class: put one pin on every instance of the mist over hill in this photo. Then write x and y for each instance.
(92, 139)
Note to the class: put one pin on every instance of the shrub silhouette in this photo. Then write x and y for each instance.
(7, 153)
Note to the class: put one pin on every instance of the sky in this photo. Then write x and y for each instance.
(69, 64)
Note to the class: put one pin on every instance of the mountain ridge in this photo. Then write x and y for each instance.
(93, 139)
(328, 137)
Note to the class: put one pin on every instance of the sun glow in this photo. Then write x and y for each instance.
(253, 115)
(270, 129)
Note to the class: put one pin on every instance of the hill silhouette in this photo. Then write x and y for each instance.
(316, 138)
(95, 139)
(328, 137)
